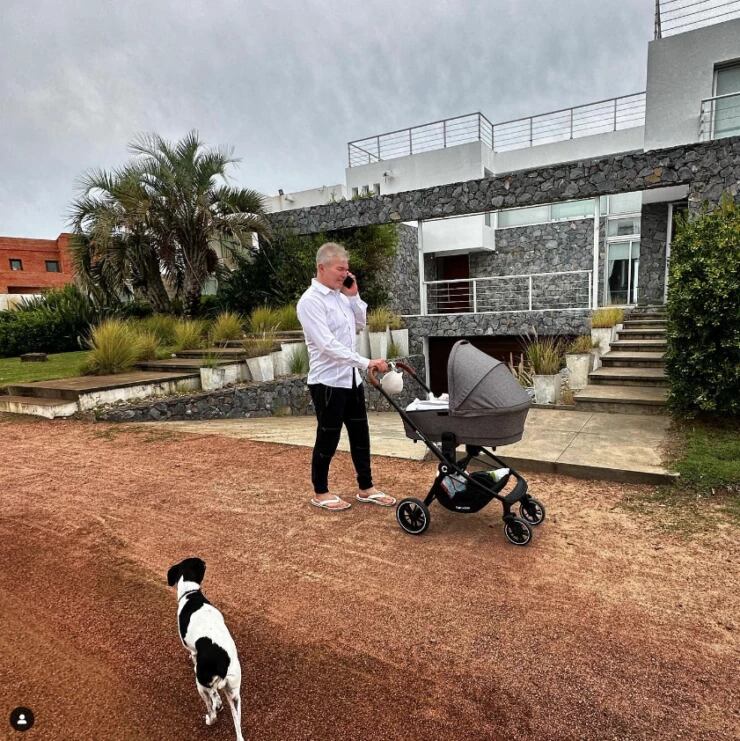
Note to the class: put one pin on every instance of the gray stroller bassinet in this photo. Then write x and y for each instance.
(487, 404)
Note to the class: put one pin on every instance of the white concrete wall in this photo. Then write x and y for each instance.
(680, 74)
(596, 145)
(459, 234)
(441, 166)
(9, 300)
(306, 198)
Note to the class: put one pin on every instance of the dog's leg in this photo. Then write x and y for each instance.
(205, 693)
(216, 699)
(235, 703)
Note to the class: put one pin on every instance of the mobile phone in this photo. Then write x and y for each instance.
(348, 282)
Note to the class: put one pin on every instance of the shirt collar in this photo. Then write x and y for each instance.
(321, 287)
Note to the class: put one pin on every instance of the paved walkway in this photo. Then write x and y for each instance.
(616, 447)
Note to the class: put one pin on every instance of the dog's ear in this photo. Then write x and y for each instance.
(174, 574)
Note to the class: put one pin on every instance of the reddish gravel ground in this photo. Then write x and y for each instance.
(603, 628)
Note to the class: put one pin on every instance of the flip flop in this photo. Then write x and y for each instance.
(375, 499)
(325, 504)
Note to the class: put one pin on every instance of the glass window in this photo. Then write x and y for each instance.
(355, 192)
(52, 266)
(603, 205)
(625, 203)
(622, 271)
(623, 227)
(522, 216)
(16, 264)
(488, 218)
(572, 210)
(727, 110)
(376, 189)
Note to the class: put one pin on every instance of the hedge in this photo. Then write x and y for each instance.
(703, 355)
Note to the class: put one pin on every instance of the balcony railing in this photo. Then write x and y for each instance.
(600, 117)
(510, 294)
(719, 117)
(679, 16)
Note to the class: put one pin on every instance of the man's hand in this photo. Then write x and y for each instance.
(379, 364)
(353, 289)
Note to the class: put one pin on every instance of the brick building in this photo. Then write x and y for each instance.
(29, 266)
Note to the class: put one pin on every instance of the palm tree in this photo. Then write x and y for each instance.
(195, 209)
(117, 248)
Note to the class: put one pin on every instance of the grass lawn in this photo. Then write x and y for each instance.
(61, 365)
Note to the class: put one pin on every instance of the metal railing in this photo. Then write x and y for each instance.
(679, 16)
(510, 294)
(719, 117)
(600, 117)
(436, 135)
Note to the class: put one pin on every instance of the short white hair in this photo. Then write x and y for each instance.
(330, 251)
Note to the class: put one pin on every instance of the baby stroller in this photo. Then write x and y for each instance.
(487, 407)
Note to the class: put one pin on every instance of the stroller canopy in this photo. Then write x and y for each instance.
(480, 385)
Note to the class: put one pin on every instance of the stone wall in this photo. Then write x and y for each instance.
(282, 397)
(403, 279)
(709, 168)
(653, 233)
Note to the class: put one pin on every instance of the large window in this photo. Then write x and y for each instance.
(727, 110)
(622, 269)
(565, 211)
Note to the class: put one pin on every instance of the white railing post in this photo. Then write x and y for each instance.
(530, 293)
(422, 277)
(444, 133)
(571, 123)
(475, 296)
(615, 114)
(411, 144)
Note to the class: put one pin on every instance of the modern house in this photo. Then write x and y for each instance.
(31, 266)
(519, 261)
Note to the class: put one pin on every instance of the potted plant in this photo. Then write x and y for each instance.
(399, 335)
(545, 357)
(212, 375)
(579, 359)
(259, 360)
(377, 325)
(603, 323)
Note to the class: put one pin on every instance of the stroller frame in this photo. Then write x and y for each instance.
(413, 514)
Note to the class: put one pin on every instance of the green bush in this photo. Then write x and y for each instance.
(608, 317)
(162, 325)
(703, 355)
(189, 334)
(299, 362)
(287, 318)
(227, 326)
(114, 348)
(545, 356)
(264, 319)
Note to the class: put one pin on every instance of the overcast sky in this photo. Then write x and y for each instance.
(286, 84)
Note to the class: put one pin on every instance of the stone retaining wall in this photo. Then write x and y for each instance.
(282, 397)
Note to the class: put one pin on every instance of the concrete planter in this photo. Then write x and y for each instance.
(261, 368)
(363, 342)
(579, 366)
(212, 378)
(288, 350)
(379, 344)
(278, 363)
(401, 339)
(603, 336)
(547, 389)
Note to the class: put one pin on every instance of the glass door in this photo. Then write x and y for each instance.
(622, 272)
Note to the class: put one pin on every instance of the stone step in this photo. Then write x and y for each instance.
(181, 364)
(628, 377)
(645, 324)
(622, 359)
(641, 334)
(622, 399)
(227, 353)
(38, 406)
(639, 345)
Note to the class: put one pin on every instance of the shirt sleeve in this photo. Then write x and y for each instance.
(359, 309)
(312, 316)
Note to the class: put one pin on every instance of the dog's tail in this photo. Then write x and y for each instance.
(218, 683)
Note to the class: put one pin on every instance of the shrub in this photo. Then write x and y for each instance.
(113, 348)
(162, 325)
(255, 347)
(287, 318)
(545, 356)
(382, 317)
(520, 371)
(703, 335)
(604, 318)
(263, 319)
(227, 326)
(147, 344)
(394, 351)
(299, 362)
(189, 334)
(581, 344)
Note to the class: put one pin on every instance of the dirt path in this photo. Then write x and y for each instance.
(347, 628)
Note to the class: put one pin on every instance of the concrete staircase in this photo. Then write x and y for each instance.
(632, 377)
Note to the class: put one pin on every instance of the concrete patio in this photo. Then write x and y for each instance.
(598, 445)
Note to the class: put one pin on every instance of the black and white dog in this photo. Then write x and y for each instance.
(212, 649)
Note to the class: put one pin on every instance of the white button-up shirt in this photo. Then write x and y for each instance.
(330, 321)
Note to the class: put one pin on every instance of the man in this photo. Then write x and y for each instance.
(330, 314)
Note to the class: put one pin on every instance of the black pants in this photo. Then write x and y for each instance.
(336, 407)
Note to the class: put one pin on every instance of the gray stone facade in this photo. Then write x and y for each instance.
(282, 397)
(709, 168)
(403, 279)
(653, 234)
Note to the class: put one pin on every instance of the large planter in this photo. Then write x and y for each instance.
(603, 336)
(289, 349)
(261, 368)
(579, 366)
(400, 338)
(378, 344)
(547, 389)
(278, 363)
(363, 342)
(212, 378)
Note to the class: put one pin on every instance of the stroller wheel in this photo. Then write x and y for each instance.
(517, 531)
(413, 516)
(532, 510)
